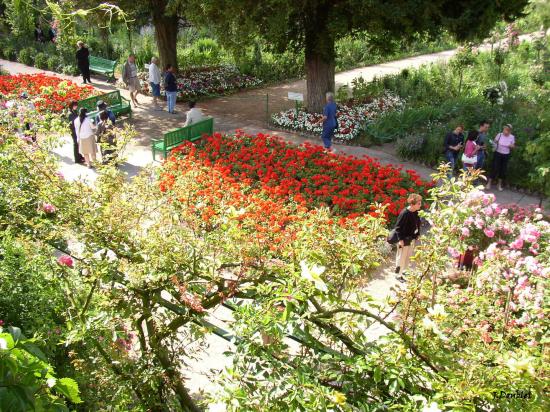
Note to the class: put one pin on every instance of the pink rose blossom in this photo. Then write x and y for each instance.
(48, 208)
(532, 343)
(465, 232)
(488, 199)
(488, 211)
(517, 244)
(479, 223)
(530, 233)
(453, 252)
(65, 261)
(489, 232)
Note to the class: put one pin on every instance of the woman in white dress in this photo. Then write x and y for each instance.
(85, 137)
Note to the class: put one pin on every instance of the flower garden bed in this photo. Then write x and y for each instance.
(48, 93)
(351, 118)
(205, 82)
(348, 185)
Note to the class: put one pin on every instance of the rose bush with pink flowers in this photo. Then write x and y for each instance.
(493, 320)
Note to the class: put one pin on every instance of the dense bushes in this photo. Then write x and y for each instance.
(26, 56)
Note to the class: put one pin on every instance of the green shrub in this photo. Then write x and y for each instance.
(53, 63)
(70, 70)
(41, 61)
(203, 53)
(26, 56)
(410, 147)
(9, 53)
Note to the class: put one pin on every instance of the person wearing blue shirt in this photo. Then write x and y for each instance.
(102, 106)
(170, 88)
(329, 121)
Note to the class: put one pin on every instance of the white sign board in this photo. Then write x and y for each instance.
(299, 97)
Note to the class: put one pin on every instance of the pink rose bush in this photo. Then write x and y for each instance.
(495, 314)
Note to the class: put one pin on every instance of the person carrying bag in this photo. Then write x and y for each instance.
(503, 145)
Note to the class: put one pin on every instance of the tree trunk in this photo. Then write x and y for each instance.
(166, 33)
(319, 60)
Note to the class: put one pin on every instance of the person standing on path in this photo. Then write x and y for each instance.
(469, 157)
(130, 78)
(194, 115)
(407, 230)
(83, 61)
(481, 143)
(504, 143)
(171, 88)
(105, 137)
(154, 81)
(329, 121)
(73, 114)
(86, 137)
(453, 143)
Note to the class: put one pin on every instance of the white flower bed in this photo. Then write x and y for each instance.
(351, 119)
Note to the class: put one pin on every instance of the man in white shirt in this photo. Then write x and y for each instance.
(154, 81)
(194, 115)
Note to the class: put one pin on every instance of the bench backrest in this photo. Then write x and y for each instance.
(193, 131)
(205, 126)
(101, 62)
(111, 99)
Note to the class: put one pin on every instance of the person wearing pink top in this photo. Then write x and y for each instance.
(504, 143)
(469, 157)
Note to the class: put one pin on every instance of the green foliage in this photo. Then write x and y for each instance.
(411, 147)
(271, 66)
(30, 294)
(26, 56)
(538, 15)
(41, 61)
(203, 53)
(20, 15)
(53, 63)
(27, 381)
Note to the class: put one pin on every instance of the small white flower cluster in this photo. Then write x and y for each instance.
(351, 119)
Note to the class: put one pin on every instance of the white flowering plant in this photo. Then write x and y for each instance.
(352, 120)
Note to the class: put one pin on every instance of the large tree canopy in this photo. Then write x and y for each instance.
(313, 26)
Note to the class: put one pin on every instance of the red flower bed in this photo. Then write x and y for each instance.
(48, 93)
(348, 185)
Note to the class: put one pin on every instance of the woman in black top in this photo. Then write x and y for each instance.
(407, 229)
(83, 61)
(73, 114)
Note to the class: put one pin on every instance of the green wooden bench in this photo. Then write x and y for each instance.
(116, 103)
(176, 137)
(103, 66)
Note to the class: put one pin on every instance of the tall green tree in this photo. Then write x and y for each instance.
(165, 16)
(313, 26)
